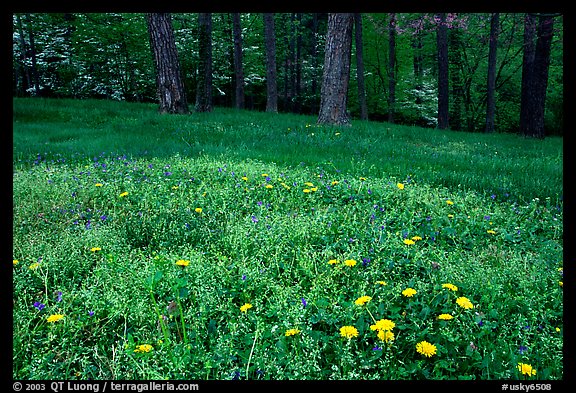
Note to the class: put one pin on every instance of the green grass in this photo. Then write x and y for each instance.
(488, 210)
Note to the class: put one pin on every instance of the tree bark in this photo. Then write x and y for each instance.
(491, 85)
(360, 66)
(532, 114)
(238, 66)
(336, 76)
(442, 47)
(391, 67)
(204, 87)
(169, 83)
(527, 65)
(271, 76)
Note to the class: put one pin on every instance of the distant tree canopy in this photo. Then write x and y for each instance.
(108, 55)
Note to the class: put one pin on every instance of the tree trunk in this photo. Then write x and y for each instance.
(442, 42)
(26, 80)
(238, 66)
(491, 85)
(360, 66)
(336, 76)
(533, 125)
(169, 83)
(204, 87)
(391, 68)
(271, 82)
(35, 76)
(527, 65)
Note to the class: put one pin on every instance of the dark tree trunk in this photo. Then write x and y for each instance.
(417, 60)
(271, 82)
(391, 68)
(527, 65)
(533, 124)
(298, 65)
(35, 76)
(442, 46)
(204, 87)
(360, 66)
(169, 83)
(455, 59)
(314, 60)
(238, 66)
(26, 80)
(336, 76)
(491, 85)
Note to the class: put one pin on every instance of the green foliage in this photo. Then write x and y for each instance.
(107, 55)
(150, 234)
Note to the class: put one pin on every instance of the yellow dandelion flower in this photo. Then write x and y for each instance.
(425, 348)
(464, 302)
(409, 242)
(182, 262)
(15, 262)
(361, 301)
(198, 210)
(244, 178)
(98, 185)
(451, 287)
(245, 307)
(400, 186)
(265, 175)
(94, 249)
(450, 215)
(416, 238)
(362, 179)
(314, 189)
(383, 324)
(526, 369)
(491, 231)
(449, 202)
(335, 182)
(306, 190)
(409, 292)
(308, 184)
(286, 186)
(34, 266)
(348, 332)
(269, 186)
(445, 317)
(381, 283)
(385, 335)
(125, 193)
(175, 187)
(291, 332)
(333, 262)
(54, 318)
(561, 283)
(350, 262)
(144, 348)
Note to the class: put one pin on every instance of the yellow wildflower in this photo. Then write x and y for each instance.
(291, 332)
(464, 302)
(54, 318)
(526, 369)
(425, 348)
(409, 292)
(361, 301)
(348, 331)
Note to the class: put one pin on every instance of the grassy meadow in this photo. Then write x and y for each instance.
(246, 245)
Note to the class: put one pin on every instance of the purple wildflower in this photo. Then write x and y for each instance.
(39, 305)
(304, 303)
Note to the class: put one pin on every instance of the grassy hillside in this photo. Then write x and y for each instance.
(246, 245)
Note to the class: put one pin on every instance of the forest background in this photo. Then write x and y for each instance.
(393, 72)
